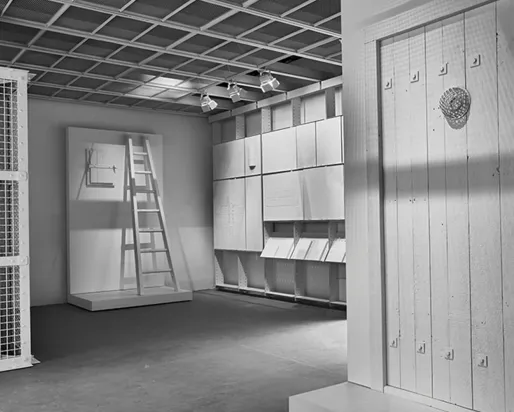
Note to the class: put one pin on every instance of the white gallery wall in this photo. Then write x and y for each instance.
(187, 189)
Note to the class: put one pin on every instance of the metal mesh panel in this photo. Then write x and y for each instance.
(10, 313)
(9, 218)
(8, 125)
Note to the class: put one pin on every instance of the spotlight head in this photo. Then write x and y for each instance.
(236, 93)
(208, 104)
(268, 82)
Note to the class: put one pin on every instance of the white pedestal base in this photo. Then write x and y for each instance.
(348, 397)
(128, 298)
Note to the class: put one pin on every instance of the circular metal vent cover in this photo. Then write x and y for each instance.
(455, 103)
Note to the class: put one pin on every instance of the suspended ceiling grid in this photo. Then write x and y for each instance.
(163, 54)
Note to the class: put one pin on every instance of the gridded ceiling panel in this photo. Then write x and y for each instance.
(132, 55)
(199, 44)
(162, 36)
(8, 53)
(97, 61)
(59, 79)
(39, 11)
(260, 57)
(198, 14)
(88, 83)
(155, 8)
(302, 39)
(238, 24)
(40, 59)
(231, 51)
(125, 101)
(42, 91)
(58, 41)
(167, 61)
(98, 98)
(272, 32)
(97, 48)
(125, 29)
(77, 65)
(17, 34)
(70, 94)
(317, 11)
(81, 19)
(110, 70)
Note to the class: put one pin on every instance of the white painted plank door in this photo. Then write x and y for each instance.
(390, 213)
(437, 204)
(420, 213)
(484, 211)
(404, 194)
(506, 122)
(459, 310)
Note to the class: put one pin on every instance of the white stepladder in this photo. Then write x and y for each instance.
(145, 158)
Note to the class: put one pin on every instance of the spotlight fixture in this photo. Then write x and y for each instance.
(268, 82)
(235, 92)
(208, 104)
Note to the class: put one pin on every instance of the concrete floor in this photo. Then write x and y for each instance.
(221, 352)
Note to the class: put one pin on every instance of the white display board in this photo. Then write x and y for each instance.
(323, 193)
(253, 156)
(279, 151)
(283, 197)
(229, 215)
(306, 145)
(329, 142)
(100, 237)
(229, 160)
(253, 207)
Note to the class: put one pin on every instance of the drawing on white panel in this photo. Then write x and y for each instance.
(97, 173)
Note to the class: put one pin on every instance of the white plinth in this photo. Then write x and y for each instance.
(348, 397)
(128, 298)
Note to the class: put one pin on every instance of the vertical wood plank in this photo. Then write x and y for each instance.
(390, 213)
(484, 211)
(506, 130)
(420, 223)
(437, 204)
(404, 193)
(459, 309)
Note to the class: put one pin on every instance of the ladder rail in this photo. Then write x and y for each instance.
(135, 218)
(160, 206)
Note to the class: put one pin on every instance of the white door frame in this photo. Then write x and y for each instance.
(428, 13)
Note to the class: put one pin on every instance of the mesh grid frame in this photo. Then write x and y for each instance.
(15, 344)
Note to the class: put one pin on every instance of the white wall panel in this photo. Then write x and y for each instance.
(306, 145)
(323, 193)
(229, 215)
(484, 211)
(390, 216)
(253, 156)
(317, 282)
(329, 142)
(337, 252)
(313, 108)
(506, 99)
(279, 151)
(229, 160)
(420, 232)
(281, 116)
(253, 123)
(254, 226)
(283, 197)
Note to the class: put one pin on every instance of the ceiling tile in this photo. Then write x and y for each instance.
(8, 53)
(57, 78)
(81, 19)
(238, 24)
(199, 44)
(88, 83)
(132, 55)
(70, 94)
(42, 91)
(106, 69)
(78, 65)
(155, 8)
(58, 41)
(162, 36)
(39, 59)
(17, 34)
(97, 48)
(125, 101)
(40, 11)
(168, 61)
(198, 13)
(231, 51)
(98, 98)
(125, 29)
(317, 11)
(119, 87)
(272, 32)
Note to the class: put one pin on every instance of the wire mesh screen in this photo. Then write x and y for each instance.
(8, 124)
(10, 313)
(9, 232)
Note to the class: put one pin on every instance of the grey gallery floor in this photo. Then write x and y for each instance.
(221, 352)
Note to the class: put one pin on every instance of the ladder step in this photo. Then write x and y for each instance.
(148, 210)
(151, 230)
(143, 190)
(140, 154)
(153, 250)
(143, 172)
(151, 272)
